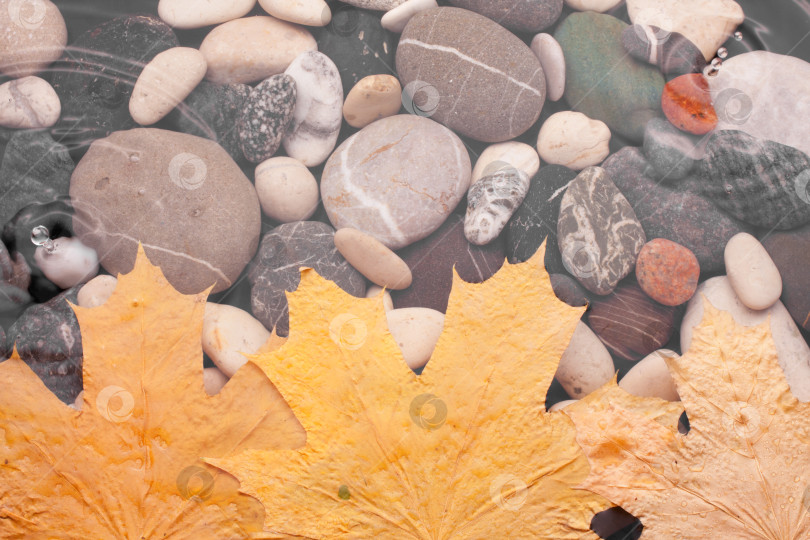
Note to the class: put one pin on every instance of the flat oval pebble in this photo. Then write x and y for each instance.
(164, 82)
(69, 264)
(416, 330)
(552, 59)
(396, 179)
(792, 350)
(372, 98)
(516, 15)
(499, 156)
(230, 333)
(213, 381)
(441, 46)
(651, 377)
(265, 117)
(600, 6)
(374, 291)
(372, 259)
(687, 103)
(318, 113)
(667, 272)
(752, 273)
(96, 291)
(598, 232)
(34, 35)
(790, 251)
(670, 51)
(306, 12)
(585, 365)
(253, 49)
(29, 102)
(195, 14)
(396, 19)
(491, 201)
(573, 140)
(630, 323)
(287, 190)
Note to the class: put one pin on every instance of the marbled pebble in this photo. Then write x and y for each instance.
(491, 201)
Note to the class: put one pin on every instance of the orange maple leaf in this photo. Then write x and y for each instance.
(464, 450)
(127, 465)
(742, 471)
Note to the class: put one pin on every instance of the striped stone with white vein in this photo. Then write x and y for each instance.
(478, 78)
(598, 232)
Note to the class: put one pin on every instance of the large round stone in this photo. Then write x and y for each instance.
(181, 196)
(397, 179)
(469, 73)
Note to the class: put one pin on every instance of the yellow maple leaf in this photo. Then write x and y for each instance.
(743, 469)
(127, 465)
(464, 450)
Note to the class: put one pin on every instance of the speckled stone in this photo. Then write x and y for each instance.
(265, 116)
(516, 15)
(599, 234)
(33, 35)
(667, 272)
(686, 103)
(670, 51)
(443, 46)
(276, 268)
(95, 79)
(491, 201)
(48, 340)
(760, 182)
(678, 213)
(630, 323)
(432, 260)
(397, 179)
(212, 111)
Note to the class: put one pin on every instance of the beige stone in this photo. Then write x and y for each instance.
(498, 156)
(560, 405)
(552, 59)
(252, 49)
(228, 334)
(650, 377)
(29, 102)
(96, 291)
(396, 19)
(600, 6)
(196, 14)
(372, 259)
(32, 36)
(287, 190)
(68, 263)
(573, 140)
(752, 273)
(372, 98)
(416, 330)
(164, 82)
(585, 365)
(306, 12)
(213, 380)
(375, 291)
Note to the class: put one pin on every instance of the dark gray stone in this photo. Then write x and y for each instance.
(760, 182)
(265, 116)
(673, 52)
(790, 252)
(35, 169)
(277, 268)
(568, 290)
(670, 151)
(516, 15)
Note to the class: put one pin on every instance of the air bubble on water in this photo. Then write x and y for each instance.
(717, 63)
(41, 236)
(738, 36)
(722, 52)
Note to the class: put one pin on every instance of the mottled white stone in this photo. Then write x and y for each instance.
(69, 263)
(552, 59)
(306, 12)
(491, 201)
(396, 19)
(228, 334)
(585, 365)
(792, 349)
(252, 49)
(416, 330)
(29, 102)
(752, 273)
(164, 82)
(650, 377)
(315, 126)
(573, 140)
(287, 190)
(196, 13)
(503, 155)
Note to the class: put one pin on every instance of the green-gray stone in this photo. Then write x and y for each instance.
(602, 80)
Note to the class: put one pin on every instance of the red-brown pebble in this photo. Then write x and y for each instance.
(668, 272)
(688, 105)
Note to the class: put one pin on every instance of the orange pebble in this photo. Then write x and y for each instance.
(688, 105)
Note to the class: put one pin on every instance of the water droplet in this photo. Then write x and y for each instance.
(717, 63)
(683, 504)
(134, 158)
(41, 236)
(791, 499)
(722, 52)
(738, 36)
(703, 515)
(141, 191)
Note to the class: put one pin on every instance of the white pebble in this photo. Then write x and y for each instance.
(552, 60)
(228, 334)
(69, 264)
(374, 291)
(600, 6)
(416, 330)
(287, 190)
(572, 139)
(29, 102)
(213, 380)
(585, 365)
(498, 156)
(560, 405)
(650, 377)
(752, 272)
(306, 12)
(96, 291)
(396, 19)
(196, 14)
